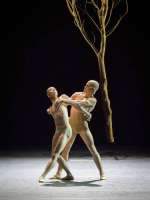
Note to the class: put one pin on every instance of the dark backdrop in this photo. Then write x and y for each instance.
(41, 47)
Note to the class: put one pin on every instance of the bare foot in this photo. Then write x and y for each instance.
(41, 179)
(68, 178)
(56, 176)
(103, 177)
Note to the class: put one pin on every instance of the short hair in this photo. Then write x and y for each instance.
(49, 88)
(93, 84)
(53, 88)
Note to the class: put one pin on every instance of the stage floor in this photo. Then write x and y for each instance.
(128, 178)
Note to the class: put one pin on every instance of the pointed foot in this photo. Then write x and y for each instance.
(41, 179)
(56, 176)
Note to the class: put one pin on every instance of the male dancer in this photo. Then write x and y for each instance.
(79, 124)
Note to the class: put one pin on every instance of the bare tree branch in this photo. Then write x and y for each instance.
(78, 18)
(84, 34)
(80, 14)
(94, 4)
(118, 22)
(92, 20)
(110, 13)
(69, 5)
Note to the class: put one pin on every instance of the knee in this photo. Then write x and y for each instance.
(93, 150)
(55, 156)
(58, 158)
(65, 155)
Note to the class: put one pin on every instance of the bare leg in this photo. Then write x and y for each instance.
(89, 141)
(54, 142)
(62, 141)
(65, 155)
(63, 163)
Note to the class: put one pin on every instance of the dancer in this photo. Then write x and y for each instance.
(78, 121)
(62, 134)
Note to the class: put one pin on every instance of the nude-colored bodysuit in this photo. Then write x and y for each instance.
(61, 119)
(77, 120)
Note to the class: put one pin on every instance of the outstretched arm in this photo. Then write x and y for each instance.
(78, 104)
(88, 103)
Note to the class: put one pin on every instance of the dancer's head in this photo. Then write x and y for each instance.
(91, 87)
(52, 93)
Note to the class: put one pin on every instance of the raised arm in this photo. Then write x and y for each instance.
(86, 103)
(81, 105)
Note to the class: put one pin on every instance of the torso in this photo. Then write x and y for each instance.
(60, 117)
(77, 120)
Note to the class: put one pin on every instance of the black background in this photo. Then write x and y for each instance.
(41, 47)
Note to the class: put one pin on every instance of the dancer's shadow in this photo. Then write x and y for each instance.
(73, 183)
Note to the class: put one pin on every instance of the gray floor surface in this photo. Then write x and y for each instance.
(128, 178)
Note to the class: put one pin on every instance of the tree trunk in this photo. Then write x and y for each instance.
(103, 79)
(105, 102)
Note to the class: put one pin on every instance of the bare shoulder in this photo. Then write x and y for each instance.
(64, 96)
(76, 94)
(92, 100)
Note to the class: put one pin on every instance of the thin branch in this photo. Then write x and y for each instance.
(94, 4)
(116, 2)
(110, 13)
(95, 24)
(79, 24)
(69, 5)
(119, 20)
(74, 12)
(77, 15)
(93, 21)
(84, 34)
